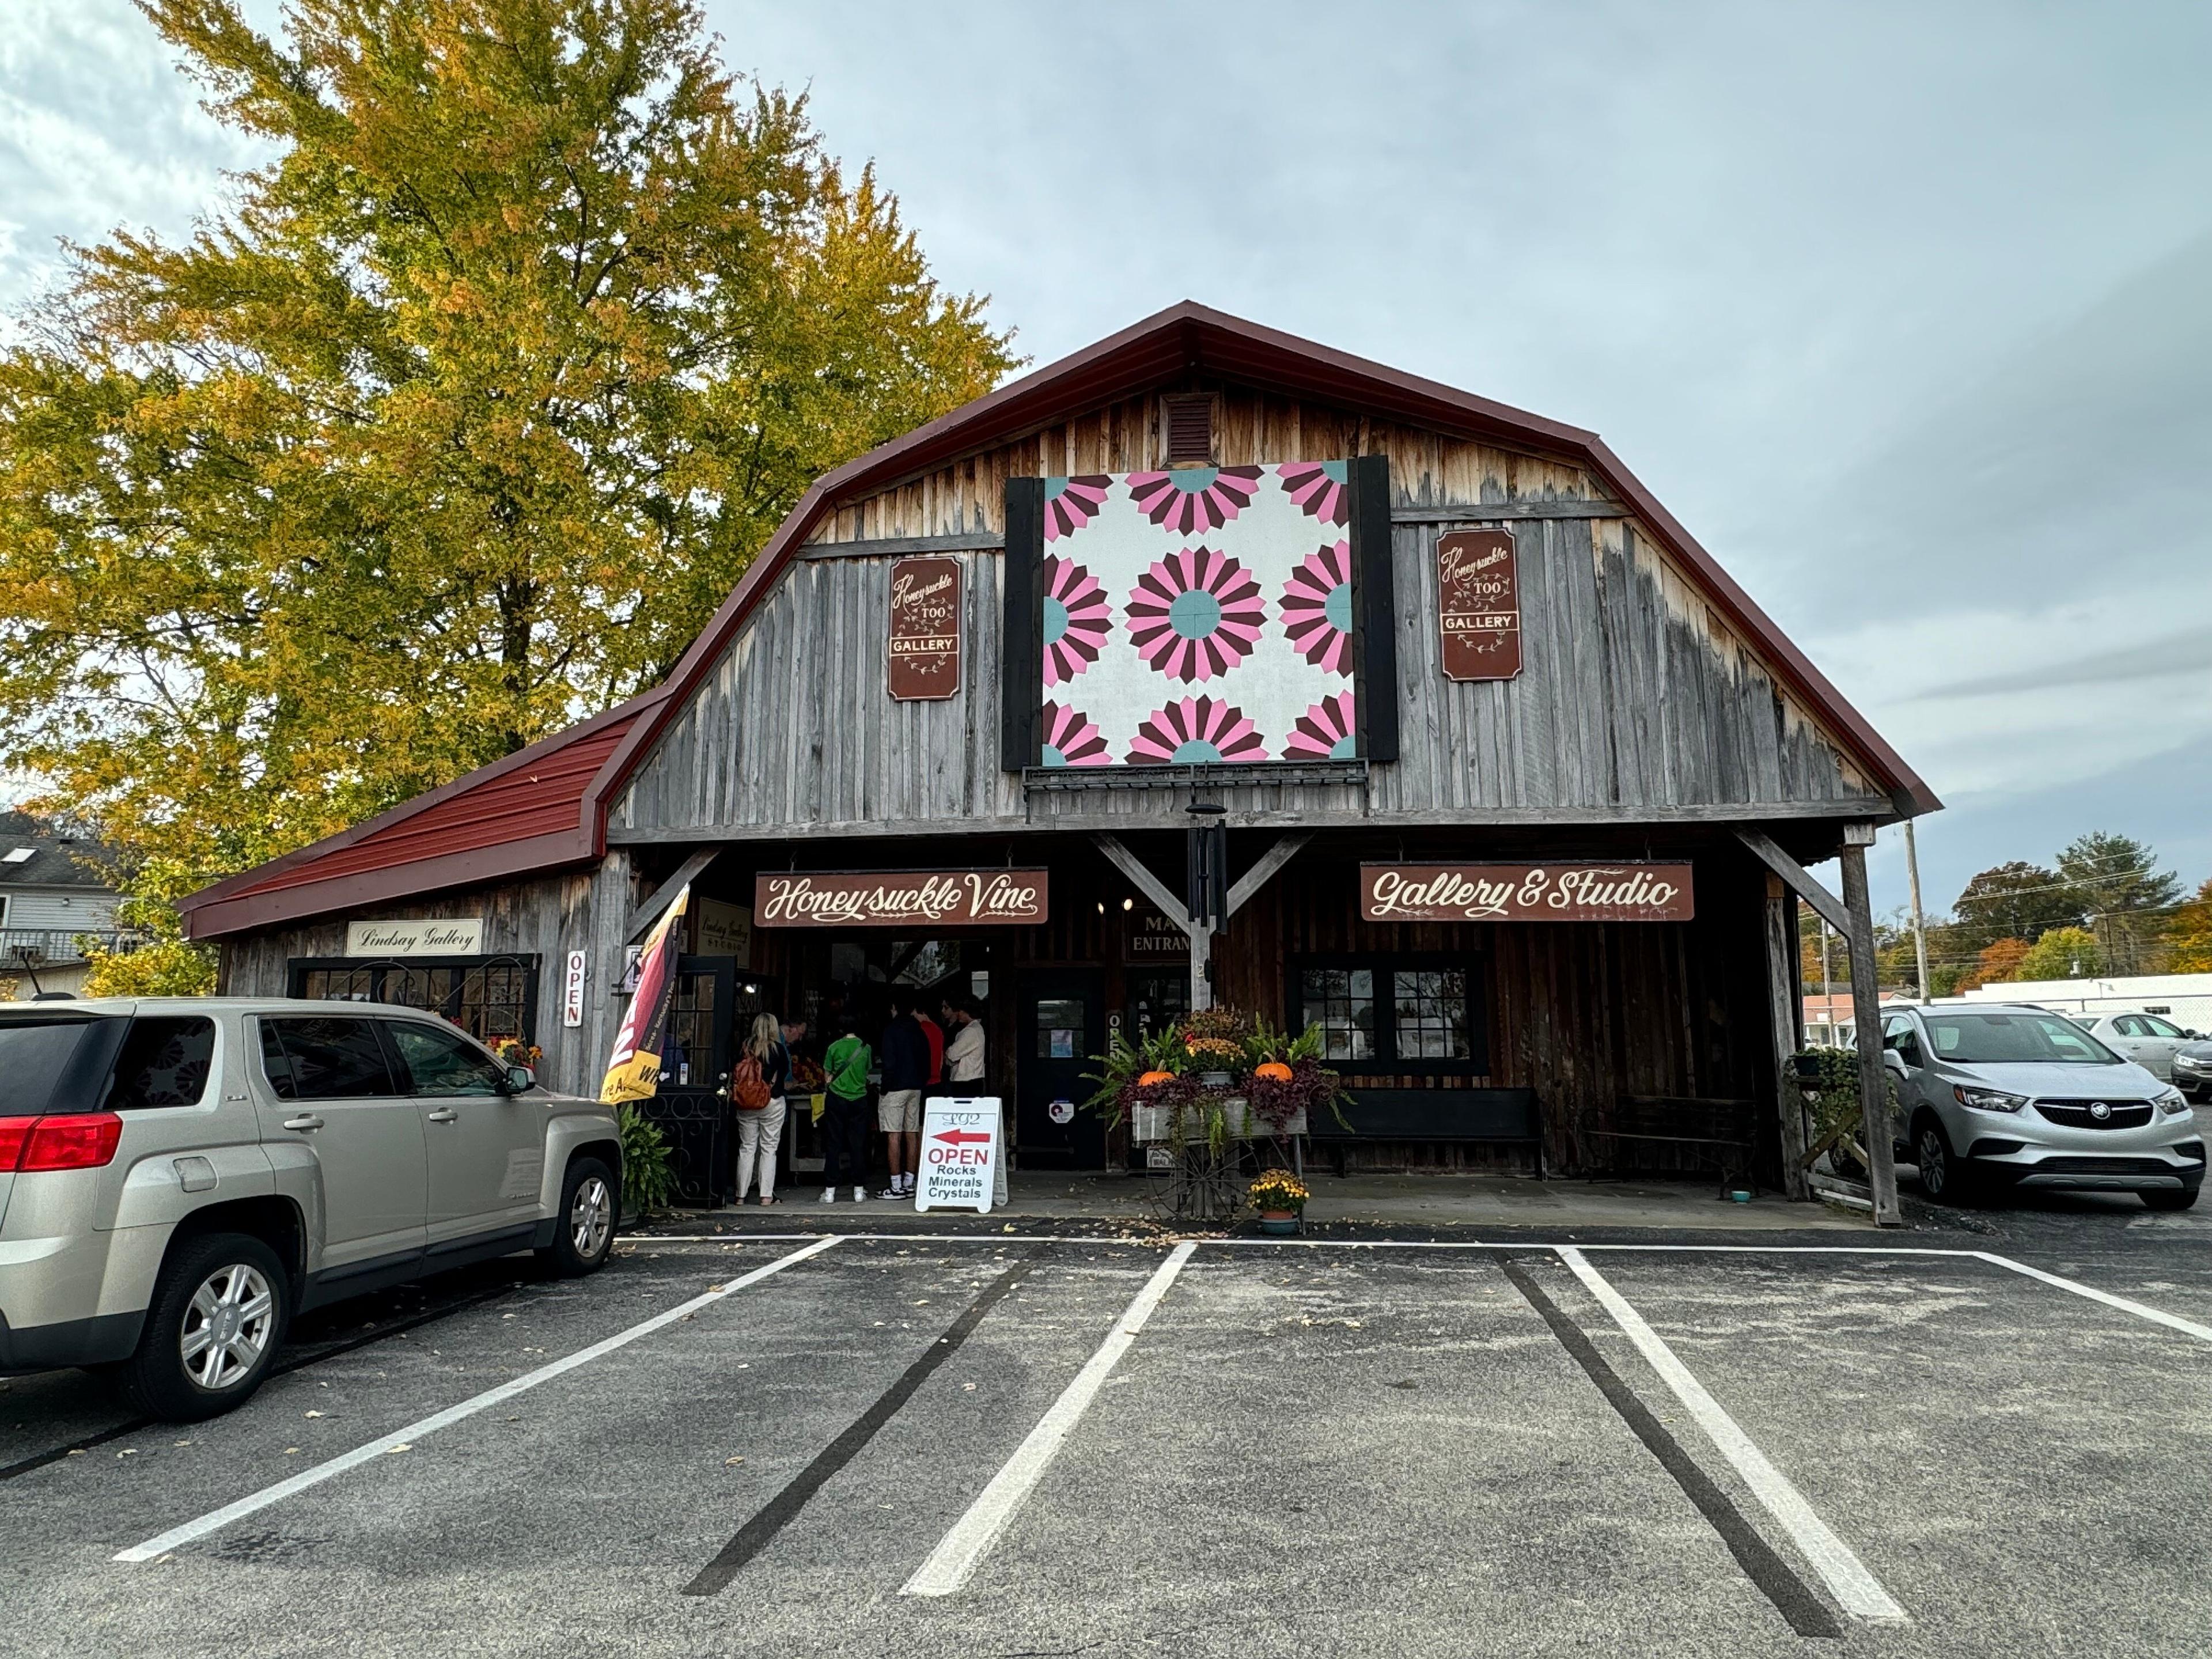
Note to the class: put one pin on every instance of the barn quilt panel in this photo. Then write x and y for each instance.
(1202, 614)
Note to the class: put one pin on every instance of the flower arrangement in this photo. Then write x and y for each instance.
(515, 1052)
(1277, 1075)
(1279, 1192)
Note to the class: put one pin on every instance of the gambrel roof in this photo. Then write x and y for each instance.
(546, 808)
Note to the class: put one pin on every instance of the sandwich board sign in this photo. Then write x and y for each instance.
(959, 1154)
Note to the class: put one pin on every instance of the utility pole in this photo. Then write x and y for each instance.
(1919, 924)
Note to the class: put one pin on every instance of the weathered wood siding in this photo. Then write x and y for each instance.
(547, 918)
(1637, 699)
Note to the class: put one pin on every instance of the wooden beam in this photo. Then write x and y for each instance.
(1784, 1005)
(665, 895)
(1175, 906)
(1800, 879)
(893, 547)
(1262, 873)
(1501, 511)
(1866, 1015)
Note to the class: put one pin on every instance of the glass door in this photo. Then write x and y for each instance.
(1061, 1025)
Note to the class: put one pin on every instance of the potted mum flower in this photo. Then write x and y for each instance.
(1280, 1198)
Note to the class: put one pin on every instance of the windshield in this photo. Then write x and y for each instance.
(33, 1053)
(1994, 1039)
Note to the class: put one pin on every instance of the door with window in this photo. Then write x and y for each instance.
(486, 1146)
(692, 1104)
(1060, 1025)
(332, 1100)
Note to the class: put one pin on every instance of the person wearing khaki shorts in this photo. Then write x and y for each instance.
(905, 1053)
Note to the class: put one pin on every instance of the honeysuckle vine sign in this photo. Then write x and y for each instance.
(1526, 892)
(898, 898)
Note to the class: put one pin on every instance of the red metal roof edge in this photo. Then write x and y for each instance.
(590, 821)
(536, 855)
(1027, 402)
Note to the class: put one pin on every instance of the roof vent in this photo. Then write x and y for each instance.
(1189, 423)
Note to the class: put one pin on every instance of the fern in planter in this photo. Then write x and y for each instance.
(648, 1167)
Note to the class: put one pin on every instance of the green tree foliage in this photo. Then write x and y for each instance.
(2126, 896)
(2016, 900)
(455, 425)
(2188, 940)
(2062, 953)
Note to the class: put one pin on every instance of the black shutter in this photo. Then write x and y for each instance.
(1374, 608)
(1021, 661)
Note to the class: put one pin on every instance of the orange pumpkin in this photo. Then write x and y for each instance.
(1152, 1078)
(1274, 1069)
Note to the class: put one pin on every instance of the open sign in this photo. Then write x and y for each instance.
(959, 1154)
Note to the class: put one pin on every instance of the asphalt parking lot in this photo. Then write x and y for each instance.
(994, 1444)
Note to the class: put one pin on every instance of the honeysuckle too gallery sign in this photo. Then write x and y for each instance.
(925, 638)
(899, 898)
(1526, 892)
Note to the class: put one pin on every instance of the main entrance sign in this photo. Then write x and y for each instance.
(1526, 892)
(900, 899)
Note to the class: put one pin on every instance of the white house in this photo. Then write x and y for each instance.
(56, 891)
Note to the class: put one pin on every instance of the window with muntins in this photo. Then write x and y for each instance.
(1394, 1012)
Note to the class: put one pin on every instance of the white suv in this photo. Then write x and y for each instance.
(180, 1175)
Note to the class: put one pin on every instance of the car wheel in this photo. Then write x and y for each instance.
(1942, 1176)
(2166, 1198)
(218, 1316)
(584, 1231)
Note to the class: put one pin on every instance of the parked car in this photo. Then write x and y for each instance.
(2192, 1072)
(179, 1177)
(1995, 1096)
(2146, 1039)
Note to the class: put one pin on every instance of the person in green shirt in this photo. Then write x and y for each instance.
(845, 1115)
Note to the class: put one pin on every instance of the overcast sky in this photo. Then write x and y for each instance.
(1906, 311)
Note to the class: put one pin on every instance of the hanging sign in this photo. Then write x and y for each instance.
(430, 936)
(1526, 892)
(959, 1154)
(925, 643)
(572, 988)
(900, 899)
(1478, 605)
(1152, 936)
(725, 930)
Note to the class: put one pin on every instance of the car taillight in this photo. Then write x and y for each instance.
(81, 1141)
(14, 1132)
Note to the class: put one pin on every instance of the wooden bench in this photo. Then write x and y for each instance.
(1719, 1134)
(1449, 1116)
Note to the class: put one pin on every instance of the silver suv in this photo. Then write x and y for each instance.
(179, 1177)
(1995, 1095)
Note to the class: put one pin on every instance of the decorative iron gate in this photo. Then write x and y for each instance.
(709, 1010)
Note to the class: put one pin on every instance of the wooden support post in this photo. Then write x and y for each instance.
(1784, 998)
(1866, 1015)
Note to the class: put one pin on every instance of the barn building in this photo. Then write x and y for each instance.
(1206, 664)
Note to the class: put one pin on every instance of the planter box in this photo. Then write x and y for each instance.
(1156, 1123)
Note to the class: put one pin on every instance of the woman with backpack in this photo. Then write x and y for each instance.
(758, 1093)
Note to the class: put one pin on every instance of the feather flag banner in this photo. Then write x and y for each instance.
(634, 1069)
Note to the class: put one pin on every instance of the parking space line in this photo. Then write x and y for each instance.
(958, 1554)
(216, 1520)
(1856, 1590)
(1793, 1598)
(774, 1516)
(2140, 1310)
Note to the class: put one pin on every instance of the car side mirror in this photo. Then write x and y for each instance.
(1894, 1060)
(519, 1080)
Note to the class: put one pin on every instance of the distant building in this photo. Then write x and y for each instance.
(56, 894)
(2185, 999)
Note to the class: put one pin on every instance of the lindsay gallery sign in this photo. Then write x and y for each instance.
(899, 898)
(433, 936)
(1525, 892)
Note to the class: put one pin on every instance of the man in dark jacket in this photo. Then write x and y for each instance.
(905, 1054)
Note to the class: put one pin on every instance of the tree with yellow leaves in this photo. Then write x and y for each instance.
(454, 427)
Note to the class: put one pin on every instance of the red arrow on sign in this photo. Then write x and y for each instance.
(962, 1137)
